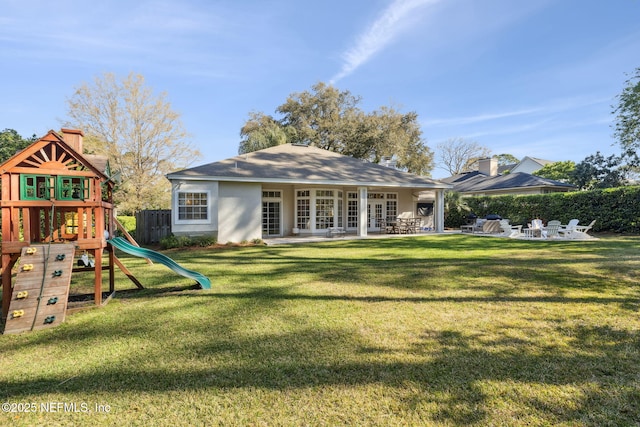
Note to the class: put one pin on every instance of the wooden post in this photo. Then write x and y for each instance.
(97, 255)
(6, 284)
(112, 282)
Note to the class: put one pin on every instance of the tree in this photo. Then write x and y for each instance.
(627, 127)
(506, 159)
(456, 209)
(558, 171)
(330, 119)
(260, 132)
(11, 142)
(597, 171)
(459, 155)
(139, 132)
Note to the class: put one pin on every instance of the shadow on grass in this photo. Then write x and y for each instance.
(454, 372)
(449, 369)
(502, 268)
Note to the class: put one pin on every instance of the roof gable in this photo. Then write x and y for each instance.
(51, 153)
(530, 164)
(304, 164)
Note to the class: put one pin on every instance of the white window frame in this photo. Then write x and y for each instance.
(278, 199)
(192, 221)
(338, 207)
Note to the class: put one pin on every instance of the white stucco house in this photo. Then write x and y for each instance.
(291, 189)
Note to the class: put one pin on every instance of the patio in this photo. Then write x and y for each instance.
(347, 236)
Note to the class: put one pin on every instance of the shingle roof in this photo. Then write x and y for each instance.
(289, 163)
(480, 182)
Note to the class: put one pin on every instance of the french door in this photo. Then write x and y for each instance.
(271, 213)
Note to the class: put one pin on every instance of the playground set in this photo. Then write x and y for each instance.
(56, 202)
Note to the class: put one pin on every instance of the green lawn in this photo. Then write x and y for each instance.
(430, 330)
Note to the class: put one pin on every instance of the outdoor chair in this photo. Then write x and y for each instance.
(382, 225)
(566, 230)
(552, 229)
(509, 230)
(391, 225)
(580, 231)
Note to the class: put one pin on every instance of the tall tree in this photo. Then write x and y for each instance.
(11, 142)
(139, 132)
(458, 155)
(598, 171)
(558, 171)
(506, 159)
(627, 127)
(261, 131)
(331, 119)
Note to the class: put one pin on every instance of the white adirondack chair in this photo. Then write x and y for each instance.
(566, 230)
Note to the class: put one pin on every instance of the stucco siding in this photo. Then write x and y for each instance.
(239, 212)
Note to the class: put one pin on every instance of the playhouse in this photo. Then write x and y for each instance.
(55, 202)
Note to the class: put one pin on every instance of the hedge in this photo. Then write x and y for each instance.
(614, 209)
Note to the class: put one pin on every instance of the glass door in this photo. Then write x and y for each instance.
(375, 215)
(271, 213)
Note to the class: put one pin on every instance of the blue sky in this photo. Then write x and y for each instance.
(531, 78)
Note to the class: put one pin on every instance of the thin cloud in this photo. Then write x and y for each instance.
(556, 106)
(482, 117)
(391, 22)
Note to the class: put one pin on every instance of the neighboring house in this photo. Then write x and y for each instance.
(530, 165)
(291, 189)
(486, 181)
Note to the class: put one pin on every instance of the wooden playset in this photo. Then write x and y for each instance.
(55, 202)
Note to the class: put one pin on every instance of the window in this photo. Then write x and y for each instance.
(340, 216)
(325, 207)
(193, 206)
(392, 205)
(41, 187)
(352, 210)
(271, 194)
(303, 210)
(34, 187)
(72, 188)
(319, 209)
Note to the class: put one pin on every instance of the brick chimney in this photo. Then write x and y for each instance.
(73, 137)
(488, 166)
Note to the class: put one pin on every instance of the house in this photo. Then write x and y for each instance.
(530, 165)
(297, 189)
(486, 181)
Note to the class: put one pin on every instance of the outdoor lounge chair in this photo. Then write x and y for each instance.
(509, 230)
(566, 230)
(580, 231)
(552, 229)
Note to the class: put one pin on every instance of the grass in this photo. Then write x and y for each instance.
(429, 330)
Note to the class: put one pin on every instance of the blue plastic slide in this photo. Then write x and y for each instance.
(124, 246)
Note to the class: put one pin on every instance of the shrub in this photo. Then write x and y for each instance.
(172, 242)
(614, 209)
(129, 223)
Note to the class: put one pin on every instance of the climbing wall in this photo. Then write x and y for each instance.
(41, 289)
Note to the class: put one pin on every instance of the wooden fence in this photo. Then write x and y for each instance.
(152, 226)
